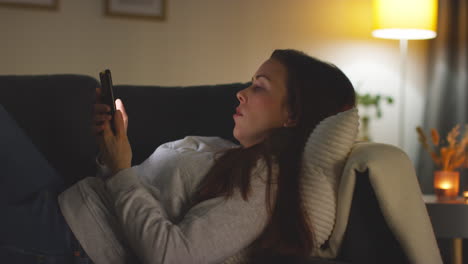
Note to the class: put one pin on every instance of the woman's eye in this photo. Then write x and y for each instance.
(257, 88)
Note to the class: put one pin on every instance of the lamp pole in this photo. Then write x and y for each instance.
(402, 93)
(404, 20)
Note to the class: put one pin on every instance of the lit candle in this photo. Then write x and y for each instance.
(445, 185)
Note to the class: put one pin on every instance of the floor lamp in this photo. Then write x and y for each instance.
(404, 20)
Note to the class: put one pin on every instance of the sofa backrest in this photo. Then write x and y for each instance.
(161, 114)
(55, 111)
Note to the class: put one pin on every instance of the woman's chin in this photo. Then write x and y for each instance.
(236, 134)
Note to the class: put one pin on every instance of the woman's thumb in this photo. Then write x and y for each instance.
(119, 123)
(120, 106)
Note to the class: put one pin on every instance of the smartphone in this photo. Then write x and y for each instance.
(107, 92)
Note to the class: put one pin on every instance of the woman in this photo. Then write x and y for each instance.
(196, 200)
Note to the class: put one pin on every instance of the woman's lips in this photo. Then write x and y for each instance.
(238, 113)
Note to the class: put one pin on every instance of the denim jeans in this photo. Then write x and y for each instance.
(32, 227)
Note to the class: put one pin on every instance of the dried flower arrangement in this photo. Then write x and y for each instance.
(450, 157)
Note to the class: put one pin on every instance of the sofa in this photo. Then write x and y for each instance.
(55, 111)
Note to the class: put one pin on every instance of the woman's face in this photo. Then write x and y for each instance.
(263, 105)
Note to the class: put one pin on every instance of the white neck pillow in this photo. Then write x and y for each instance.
(325, 154)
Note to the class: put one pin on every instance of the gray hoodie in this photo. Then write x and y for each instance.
(143, 214)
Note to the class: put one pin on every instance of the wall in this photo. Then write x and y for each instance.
(215, 41)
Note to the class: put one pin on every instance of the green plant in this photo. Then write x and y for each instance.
(367, 101)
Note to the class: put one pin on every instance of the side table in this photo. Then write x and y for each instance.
(449, 220)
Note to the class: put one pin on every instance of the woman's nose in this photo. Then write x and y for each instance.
(241, 96)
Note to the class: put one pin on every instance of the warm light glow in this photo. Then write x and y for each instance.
(465, 194)
(405, 19)
(445, 185)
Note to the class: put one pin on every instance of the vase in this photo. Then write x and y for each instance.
(446, 184)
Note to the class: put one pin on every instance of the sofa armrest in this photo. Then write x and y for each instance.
(55, 112)
(368, 239)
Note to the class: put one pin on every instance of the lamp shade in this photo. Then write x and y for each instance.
(405, 19)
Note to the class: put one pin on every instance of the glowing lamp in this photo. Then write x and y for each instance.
(403, 19)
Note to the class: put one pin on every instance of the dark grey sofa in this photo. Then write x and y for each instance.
(55, 111)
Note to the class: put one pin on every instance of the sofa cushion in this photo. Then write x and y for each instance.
(325, 154)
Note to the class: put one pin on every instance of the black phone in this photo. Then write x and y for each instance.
(107, 92)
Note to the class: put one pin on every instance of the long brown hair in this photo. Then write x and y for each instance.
(315, 90)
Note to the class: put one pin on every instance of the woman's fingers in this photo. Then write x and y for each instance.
(101, 118)
(101, 108)
(107, 133)
(98, 128)
(115, 148)
(100, 115)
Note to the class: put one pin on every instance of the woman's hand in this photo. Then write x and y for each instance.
(115, 149)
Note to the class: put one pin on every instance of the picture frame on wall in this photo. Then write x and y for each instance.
(139, 9)
(36, 4)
